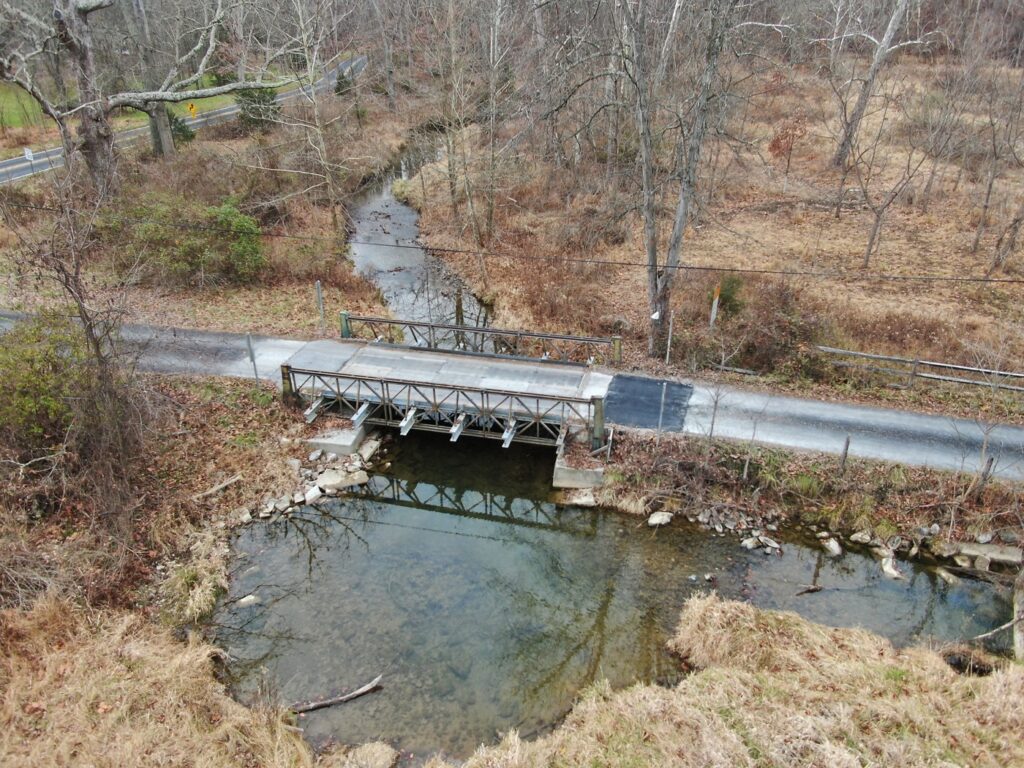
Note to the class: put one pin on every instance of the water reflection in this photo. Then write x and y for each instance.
(486, 608)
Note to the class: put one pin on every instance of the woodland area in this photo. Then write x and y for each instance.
(825, 172)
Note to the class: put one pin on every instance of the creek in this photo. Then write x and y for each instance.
(484, 605)
(487, 607)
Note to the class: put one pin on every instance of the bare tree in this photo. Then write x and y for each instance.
(847, 26)
(881, 174)
(70, 29)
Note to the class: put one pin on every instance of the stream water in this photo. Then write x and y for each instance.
(486, 607)
(415, 285)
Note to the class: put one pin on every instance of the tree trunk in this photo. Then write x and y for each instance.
(985, 207)
(873, 238)
(852, 124)
(160, 131)
(1018, 614)
(95, 136)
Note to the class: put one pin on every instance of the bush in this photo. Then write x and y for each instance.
(180, 130)
(258, 109)
(343, 85)
(44, 366)
(171, 243)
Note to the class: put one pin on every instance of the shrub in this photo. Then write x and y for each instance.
(258, 109)
(44, 366)
(180, 130)
(343, 85)
(172, 243)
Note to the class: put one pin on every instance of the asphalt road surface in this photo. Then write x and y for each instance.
(46, 159)
(692, 408)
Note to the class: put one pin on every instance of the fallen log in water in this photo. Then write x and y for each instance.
(310, 706)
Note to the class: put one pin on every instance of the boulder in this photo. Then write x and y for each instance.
(245, 516)
(336, 479)
(890, 569)
(751, 543)
(315, 455)
(861, 537)
(770, 543)
(982, 563)
(313, 495)
(281, 504)
(997, 553)
(658, 519)
(832, 547)
(330, 458)
(984, 538)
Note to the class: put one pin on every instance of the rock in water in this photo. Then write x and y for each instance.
(832, 546)
(751, 543)
(248, 600)
(335, 479)
(861, 537)
(889, 568)
(659, 519)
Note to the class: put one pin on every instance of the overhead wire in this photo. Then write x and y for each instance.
(762, 271)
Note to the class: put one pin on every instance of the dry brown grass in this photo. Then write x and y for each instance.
(112, 690)
(772, 689)
(751, 221)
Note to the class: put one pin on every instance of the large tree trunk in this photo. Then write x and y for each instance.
(160, 131)
(95, 136)
(852, 123)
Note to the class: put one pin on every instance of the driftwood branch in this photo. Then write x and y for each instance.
(368, 688)
(998, 629)
(216, 488)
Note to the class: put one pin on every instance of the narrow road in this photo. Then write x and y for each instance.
(697, 409)
(48, 159)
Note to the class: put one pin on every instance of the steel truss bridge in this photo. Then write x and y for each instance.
(445, 391)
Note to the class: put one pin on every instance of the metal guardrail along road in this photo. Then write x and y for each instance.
(495, 341)
(927, 370)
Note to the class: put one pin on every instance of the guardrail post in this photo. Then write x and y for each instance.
(617, 350)
(288, 394)
(346, 325)
(597, 436)
(913, 374)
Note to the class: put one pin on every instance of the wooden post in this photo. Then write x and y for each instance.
(597, 437)
(661, 412)
(668, 344)
(1018, 616)
(617, 350)
(346, 325)
(320, 306)
(844, 455)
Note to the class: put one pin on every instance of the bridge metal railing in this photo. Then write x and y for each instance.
(498, 341)
(906, 370)
(542, 419)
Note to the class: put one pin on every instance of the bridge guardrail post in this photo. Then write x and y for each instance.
(617, 350)
(288, 393)
(597, 435)
(346, 325)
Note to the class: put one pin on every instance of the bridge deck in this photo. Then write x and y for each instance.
(487, 396)
(451, 369)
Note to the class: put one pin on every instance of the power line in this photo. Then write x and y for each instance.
(817, 274)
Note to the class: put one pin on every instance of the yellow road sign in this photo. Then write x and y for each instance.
(192, 109)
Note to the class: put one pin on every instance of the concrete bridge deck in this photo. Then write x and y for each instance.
(451, 369)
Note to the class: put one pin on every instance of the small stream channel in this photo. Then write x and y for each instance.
(415, 285)
(484, 605)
